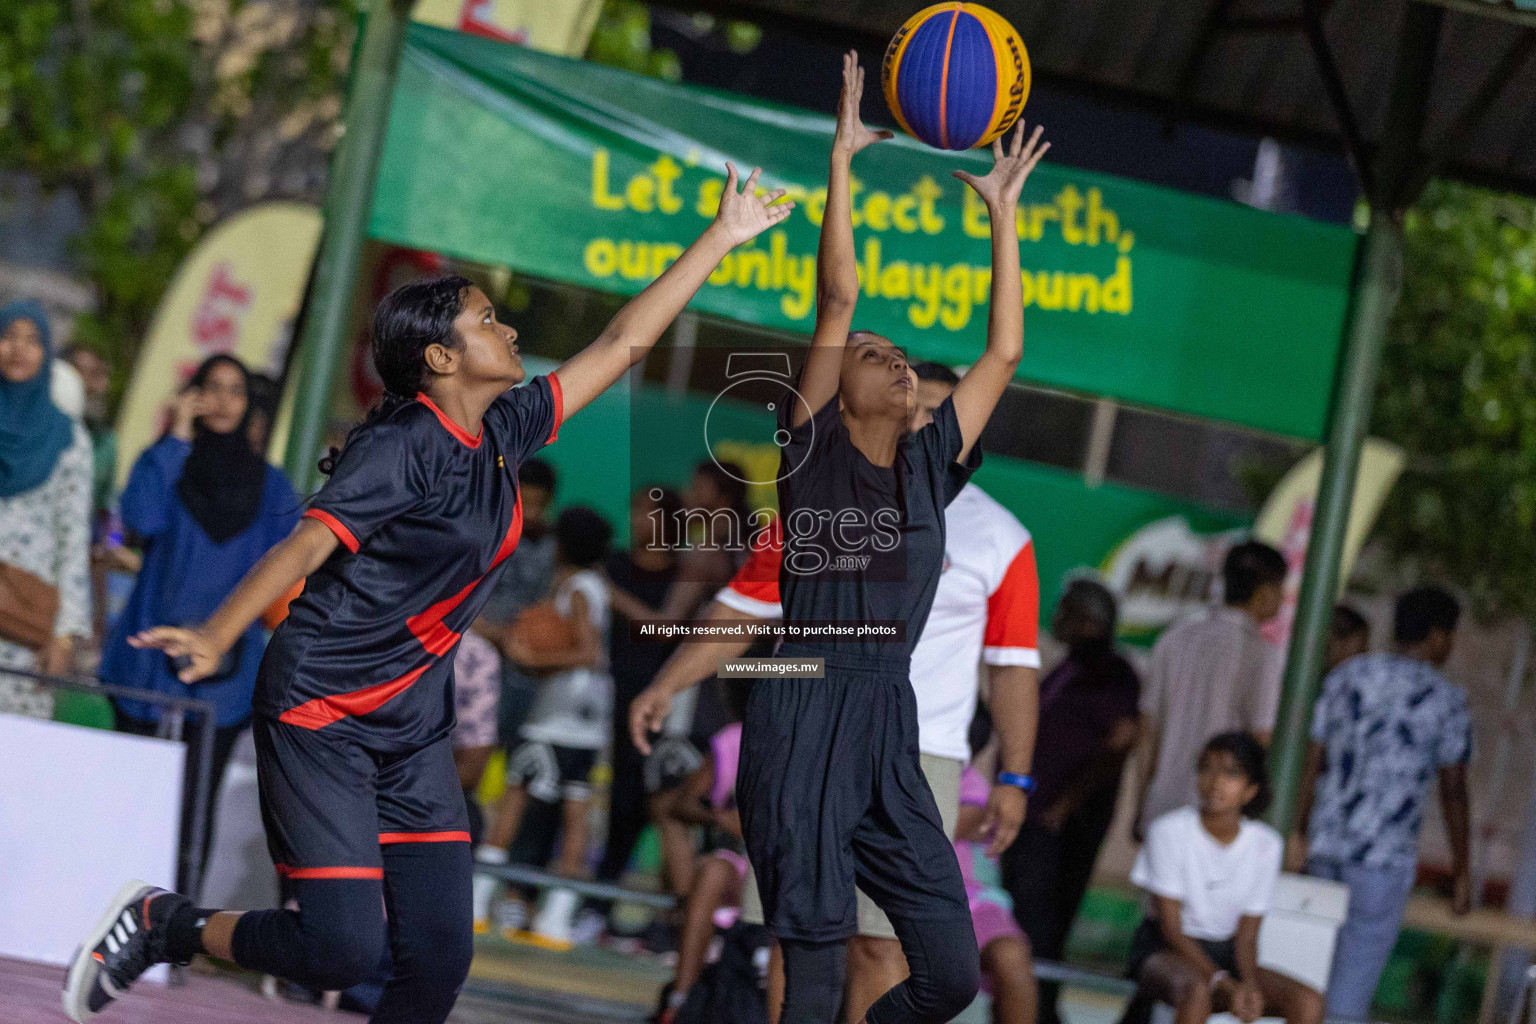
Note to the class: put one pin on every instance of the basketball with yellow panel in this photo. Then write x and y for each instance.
(956, 75)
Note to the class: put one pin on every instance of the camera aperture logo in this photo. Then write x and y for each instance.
(757, 380)
(846, 543)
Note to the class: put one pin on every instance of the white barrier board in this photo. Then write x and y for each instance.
(81, 812)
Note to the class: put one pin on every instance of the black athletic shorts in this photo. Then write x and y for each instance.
(328, 803)
(1149, 939)
(832, 797)
(550, 772)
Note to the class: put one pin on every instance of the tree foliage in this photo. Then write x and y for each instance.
(161, 117)
(622, 37)
(1458, 392)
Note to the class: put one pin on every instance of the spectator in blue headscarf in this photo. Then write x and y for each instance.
(205, 507)
(45, 509)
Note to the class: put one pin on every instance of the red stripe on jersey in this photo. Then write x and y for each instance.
(758, 577)
(428, 626)
(1013, 609)
(559, 397)
(423, 837)
(284, 871)
(448, 424)
(343, 534)
(436, 639)
(322, 711)
(514, 533)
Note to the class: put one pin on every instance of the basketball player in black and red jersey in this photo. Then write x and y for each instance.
(354, 706)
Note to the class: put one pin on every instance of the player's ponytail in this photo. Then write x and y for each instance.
(407, 321)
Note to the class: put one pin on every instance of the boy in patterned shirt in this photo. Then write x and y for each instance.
(1386, 724)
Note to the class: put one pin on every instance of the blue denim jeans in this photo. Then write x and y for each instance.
(1377, 898)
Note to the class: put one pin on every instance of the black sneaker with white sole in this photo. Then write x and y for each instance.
(129, 939)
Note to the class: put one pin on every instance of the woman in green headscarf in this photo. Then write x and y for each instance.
(45, 502)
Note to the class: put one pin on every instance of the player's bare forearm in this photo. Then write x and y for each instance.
(977, 394)
(695, 660)
(837, 293)
(682, 597)
(1015, 703)
(692, 663)
(198, 650)
(301, 553)
(634, 331)
(837, 268)
(983, 385)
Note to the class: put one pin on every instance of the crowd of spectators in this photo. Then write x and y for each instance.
(545, 681)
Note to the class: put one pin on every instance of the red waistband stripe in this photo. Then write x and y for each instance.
(284, 871)
(386, 838)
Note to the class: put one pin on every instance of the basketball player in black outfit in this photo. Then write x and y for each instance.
(830, 789)
(354, 703)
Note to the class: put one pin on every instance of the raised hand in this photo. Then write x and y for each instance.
(188, 406)
(743, 215)
(852, 136)
(195, 653)
(1001, 187)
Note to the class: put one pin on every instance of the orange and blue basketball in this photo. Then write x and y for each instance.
(956, 75)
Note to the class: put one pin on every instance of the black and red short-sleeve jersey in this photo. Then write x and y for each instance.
(425, 513)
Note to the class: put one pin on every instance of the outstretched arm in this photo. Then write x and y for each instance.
(305, 550)
(693, 662)
(981, 387)
(742, 215)
(837, 265)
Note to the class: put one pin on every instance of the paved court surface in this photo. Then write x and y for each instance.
(509, 984)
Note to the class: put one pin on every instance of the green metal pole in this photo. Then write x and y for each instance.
(348, 202)
(1378, 283)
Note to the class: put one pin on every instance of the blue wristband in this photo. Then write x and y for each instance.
(1024, 782)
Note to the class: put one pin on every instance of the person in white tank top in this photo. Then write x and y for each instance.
(569, 722)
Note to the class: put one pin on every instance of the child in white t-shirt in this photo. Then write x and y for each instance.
(1210, 872)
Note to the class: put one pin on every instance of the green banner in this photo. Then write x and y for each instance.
(585, 174)
(1074, 526)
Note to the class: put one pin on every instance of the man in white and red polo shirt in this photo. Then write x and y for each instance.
(986, 609)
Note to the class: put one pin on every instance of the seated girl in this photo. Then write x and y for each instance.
(707, 797)
(1007, 969)
(1210, 871)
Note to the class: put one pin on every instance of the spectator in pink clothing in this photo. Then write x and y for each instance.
(1007, 970)
(476, 700)
(708, 797)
